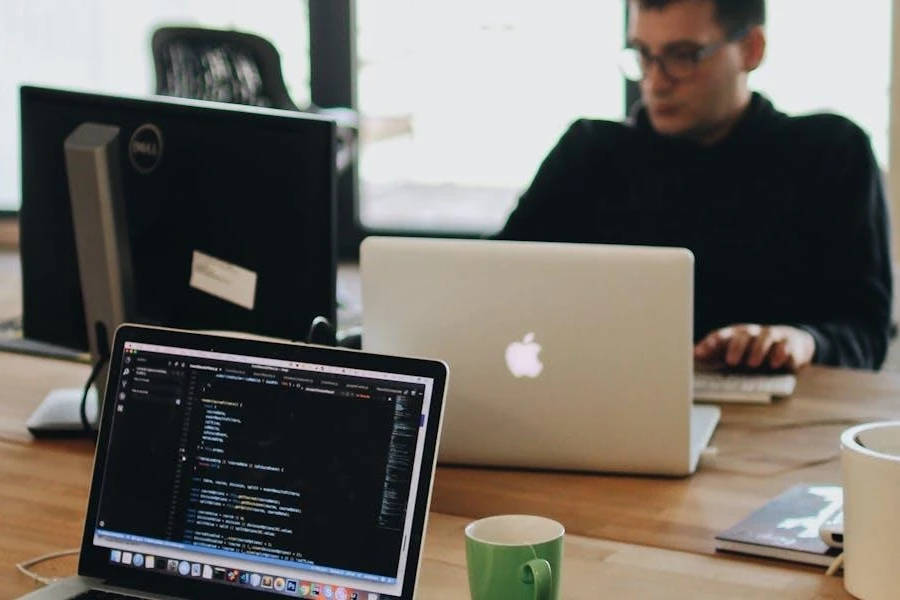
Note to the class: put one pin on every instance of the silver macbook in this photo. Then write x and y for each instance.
(564, 356)
(235, 468)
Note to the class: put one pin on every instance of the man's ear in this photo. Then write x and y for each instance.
(754, 48)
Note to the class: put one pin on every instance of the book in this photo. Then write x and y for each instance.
(787, 527)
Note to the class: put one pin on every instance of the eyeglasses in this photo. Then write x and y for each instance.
(676, 63)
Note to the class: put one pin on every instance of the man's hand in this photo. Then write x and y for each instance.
(755, 346)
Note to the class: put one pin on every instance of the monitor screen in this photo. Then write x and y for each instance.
(230, 214)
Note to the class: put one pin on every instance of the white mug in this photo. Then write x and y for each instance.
(870, 469)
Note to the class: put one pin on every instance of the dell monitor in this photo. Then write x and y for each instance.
(229, 211)
(200, 215)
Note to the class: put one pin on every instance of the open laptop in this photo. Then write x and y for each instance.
(565, 356)
(235, 468)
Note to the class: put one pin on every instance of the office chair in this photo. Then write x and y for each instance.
(236, 67)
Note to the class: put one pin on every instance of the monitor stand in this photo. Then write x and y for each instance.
(13, 340)
(59, 414)
(93, 171)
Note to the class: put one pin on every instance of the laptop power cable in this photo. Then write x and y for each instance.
(23, 567)
(82, 409)
(103, 353)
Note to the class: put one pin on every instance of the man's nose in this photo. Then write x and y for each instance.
(656, 80)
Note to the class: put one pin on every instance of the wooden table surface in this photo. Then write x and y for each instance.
(762, 450)
(10, 287)
(44, 485)
(43, 488)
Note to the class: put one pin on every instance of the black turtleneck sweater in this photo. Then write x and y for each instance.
(786, 218)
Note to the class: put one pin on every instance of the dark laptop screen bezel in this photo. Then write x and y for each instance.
(94, 560)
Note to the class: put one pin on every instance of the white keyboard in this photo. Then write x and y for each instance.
(714, 386)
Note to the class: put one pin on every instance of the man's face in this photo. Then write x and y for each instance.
(695, 106)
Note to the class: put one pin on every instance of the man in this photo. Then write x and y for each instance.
(785, 215)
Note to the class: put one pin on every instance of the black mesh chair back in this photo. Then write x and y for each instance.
(224, 66)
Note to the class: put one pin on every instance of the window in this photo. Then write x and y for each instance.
(460, 102)
(831, 56)
(104, 45)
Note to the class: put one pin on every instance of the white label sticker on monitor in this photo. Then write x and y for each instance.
(223, 280)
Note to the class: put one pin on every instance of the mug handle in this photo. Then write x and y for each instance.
(537, 572)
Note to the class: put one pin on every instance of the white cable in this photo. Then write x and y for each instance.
(835, 565)
(709, 452)
(22, 567)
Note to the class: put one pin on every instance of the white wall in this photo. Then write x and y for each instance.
(894, 137)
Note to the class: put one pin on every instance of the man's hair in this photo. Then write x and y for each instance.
(732, 15)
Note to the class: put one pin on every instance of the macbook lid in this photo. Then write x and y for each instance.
(565, 356)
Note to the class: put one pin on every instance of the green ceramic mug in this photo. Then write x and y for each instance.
(514, 557)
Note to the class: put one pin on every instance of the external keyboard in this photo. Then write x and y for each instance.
(719, 386)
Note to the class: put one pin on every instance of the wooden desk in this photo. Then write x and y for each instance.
(9, 233)
(44, 486)
(760, 454)
(25, 382)
(762, 450)
(10, 290)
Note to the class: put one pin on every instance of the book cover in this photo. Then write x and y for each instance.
(787, 527)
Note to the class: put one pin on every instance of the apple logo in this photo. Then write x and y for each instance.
(522, 357)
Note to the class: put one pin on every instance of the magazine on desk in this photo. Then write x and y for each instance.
(787, 527)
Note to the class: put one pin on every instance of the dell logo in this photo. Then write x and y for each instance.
(145, 148)
(149, 148)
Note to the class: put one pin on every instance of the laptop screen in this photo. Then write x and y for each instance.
(261, 473)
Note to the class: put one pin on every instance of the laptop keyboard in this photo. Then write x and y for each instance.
(101, 595)
(742, 387)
